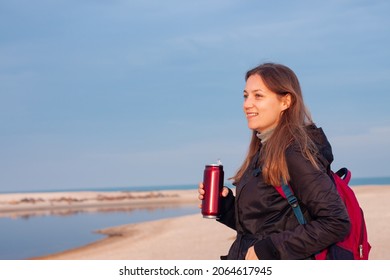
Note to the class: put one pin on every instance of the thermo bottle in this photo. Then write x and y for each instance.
(213, 184)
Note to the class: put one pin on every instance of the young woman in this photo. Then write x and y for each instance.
(285, 147)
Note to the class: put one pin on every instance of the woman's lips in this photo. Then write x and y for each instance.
(251, 115)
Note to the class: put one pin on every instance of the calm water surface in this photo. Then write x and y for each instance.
(30, 236)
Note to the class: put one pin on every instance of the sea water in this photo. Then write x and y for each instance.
(32, 236)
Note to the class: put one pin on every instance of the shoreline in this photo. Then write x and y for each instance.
(189, 237)
(32, 204)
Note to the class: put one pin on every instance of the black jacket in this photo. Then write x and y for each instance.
(263, 218)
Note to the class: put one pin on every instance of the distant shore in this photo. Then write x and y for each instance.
(187, 237)
(22, 204)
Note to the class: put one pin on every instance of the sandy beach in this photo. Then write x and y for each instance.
(183, 238)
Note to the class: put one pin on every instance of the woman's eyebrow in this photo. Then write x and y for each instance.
(254, 91)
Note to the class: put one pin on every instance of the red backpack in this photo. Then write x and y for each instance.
(355, 246)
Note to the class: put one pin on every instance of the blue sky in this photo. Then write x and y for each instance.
(140, 93)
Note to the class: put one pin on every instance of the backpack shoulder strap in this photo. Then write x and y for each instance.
(293, 201)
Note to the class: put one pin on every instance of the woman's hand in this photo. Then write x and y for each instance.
(225, 192)
(251, 254)
(201, 191)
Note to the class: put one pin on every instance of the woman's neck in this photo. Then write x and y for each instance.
(265, 135)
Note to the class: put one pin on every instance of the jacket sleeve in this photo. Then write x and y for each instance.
(329, 222)
(227, 210)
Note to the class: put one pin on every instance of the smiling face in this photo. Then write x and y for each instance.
(262, 106)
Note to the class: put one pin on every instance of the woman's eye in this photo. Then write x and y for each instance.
(245, 96)
(257, 96)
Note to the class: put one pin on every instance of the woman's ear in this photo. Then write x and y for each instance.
(286, 101)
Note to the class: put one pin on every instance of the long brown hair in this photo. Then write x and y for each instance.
(291, 127)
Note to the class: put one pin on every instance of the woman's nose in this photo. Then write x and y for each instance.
(248, 102)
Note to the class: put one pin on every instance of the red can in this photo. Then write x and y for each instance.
(213, 184)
